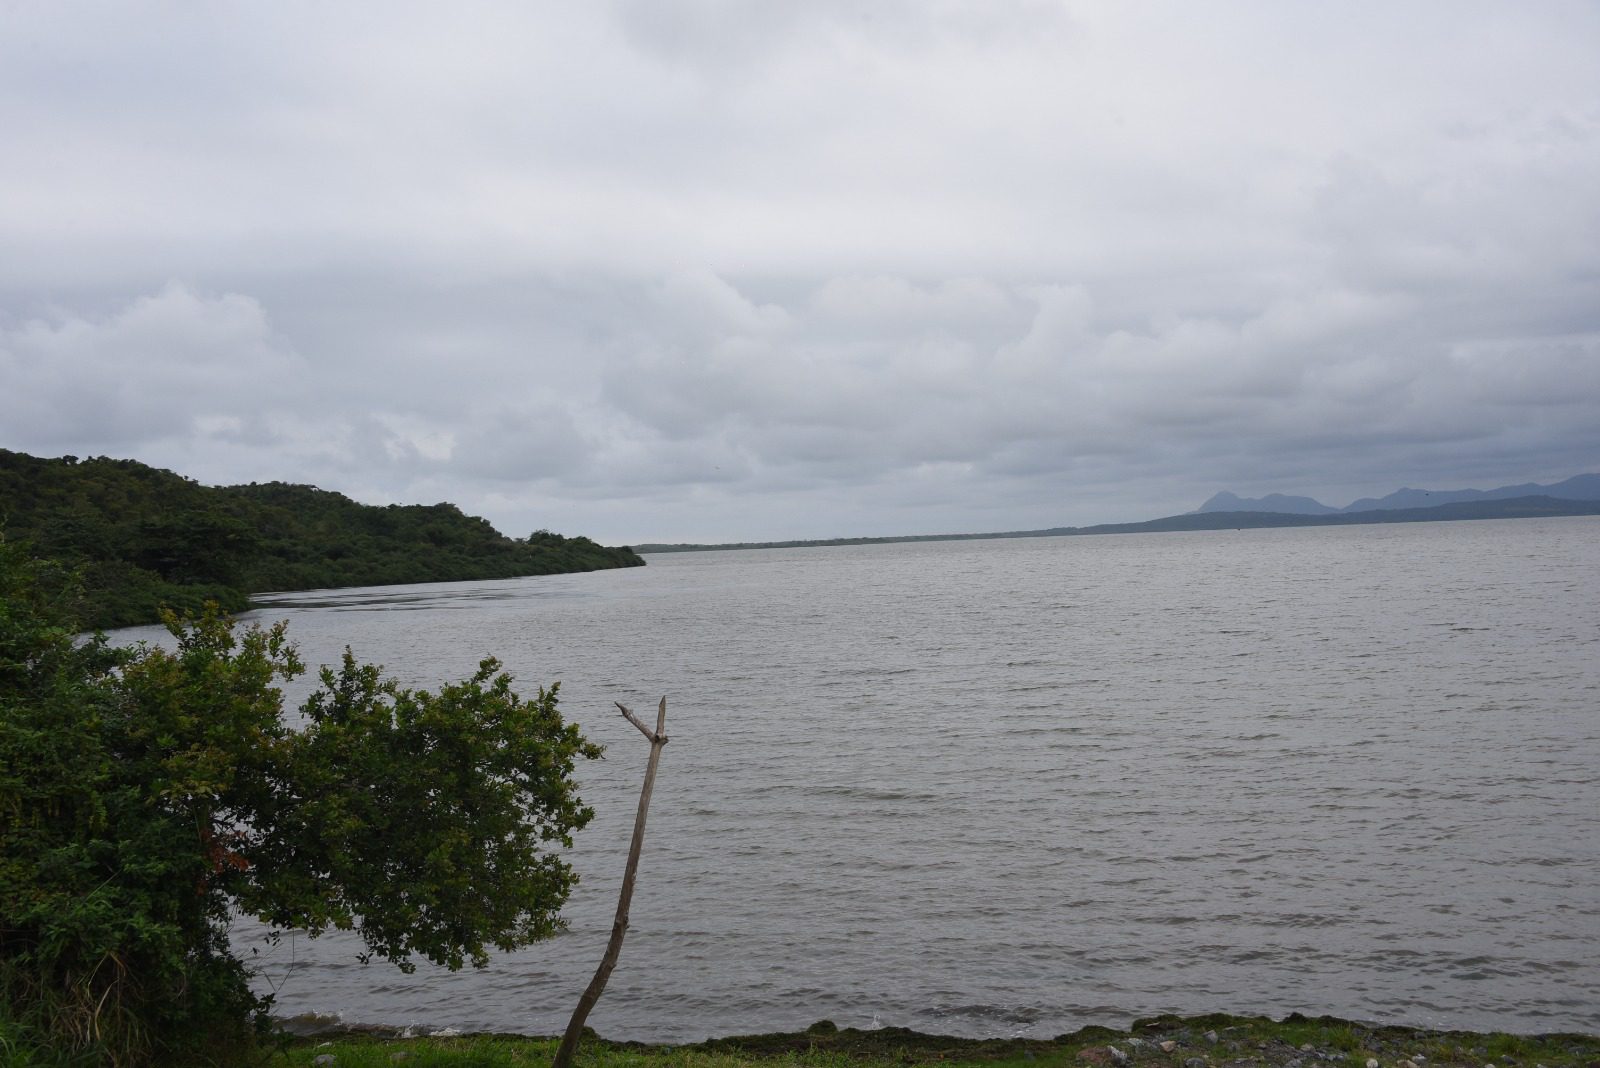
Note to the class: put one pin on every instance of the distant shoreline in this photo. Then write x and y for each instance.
(1536, 507)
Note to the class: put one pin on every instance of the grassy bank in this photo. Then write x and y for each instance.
(1214, 1041)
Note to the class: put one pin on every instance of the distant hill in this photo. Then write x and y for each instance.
(1533, 507)
(1577, 488)
(1272, 502)
(145, 537)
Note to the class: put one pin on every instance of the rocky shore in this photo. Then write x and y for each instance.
(1210, 1041)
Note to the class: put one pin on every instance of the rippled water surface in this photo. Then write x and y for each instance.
(1014, 787)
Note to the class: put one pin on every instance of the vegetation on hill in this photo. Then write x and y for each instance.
(144, 537)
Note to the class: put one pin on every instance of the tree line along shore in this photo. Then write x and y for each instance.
(143, 538)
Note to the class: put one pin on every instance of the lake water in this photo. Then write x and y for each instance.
(1014, 787)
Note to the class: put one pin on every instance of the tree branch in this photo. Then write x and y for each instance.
(661, 722)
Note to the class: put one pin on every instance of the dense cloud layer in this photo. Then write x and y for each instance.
(714, 271)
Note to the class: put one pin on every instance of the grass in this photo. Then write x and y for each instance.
(1211, 1041)
(1217, 1041)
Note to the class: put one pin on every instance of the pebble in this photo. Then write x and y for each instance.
(1195, 1062)
(1372, 1062)
(1307, 1048)
(1211, 1037)
(1405, 1064)
(400, 1055)
(1136, 1043)
(1168, 1046)
(1117, 1055)
(324, 1060)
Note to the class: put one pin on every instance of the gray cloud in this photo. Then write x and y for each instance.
(169, 365)
(717, 270)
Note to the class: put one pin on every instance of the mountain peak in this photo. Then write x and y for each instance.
(1577, 488)
(1272, 502)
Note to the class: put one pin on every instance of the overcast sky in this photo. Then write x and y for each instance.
(703, 270)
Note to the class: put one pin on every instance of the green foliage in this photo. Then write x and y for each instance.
(146, 794)
(147, 538)
(423, 818)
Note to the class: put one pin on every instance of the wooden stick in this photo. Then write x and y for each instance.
(619, 926)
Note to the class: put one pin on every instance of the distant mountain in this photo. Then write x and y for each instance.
(1531, 507)
(1272, 502)
(1577, 488)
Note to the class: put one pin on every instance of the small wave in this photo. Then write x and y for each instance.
(1011, 1014)
(868, 793)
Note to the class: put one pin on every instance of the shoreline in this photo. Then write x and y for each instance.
(1211, 1040)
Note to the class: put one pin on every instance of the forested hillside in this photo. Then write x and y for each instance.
(145, 537)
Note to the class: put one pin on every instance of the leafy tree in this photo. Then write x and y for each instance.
(145, 795)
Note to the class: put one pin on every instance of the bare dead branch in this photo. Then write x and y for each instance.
(619, 926)
(661, 720)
